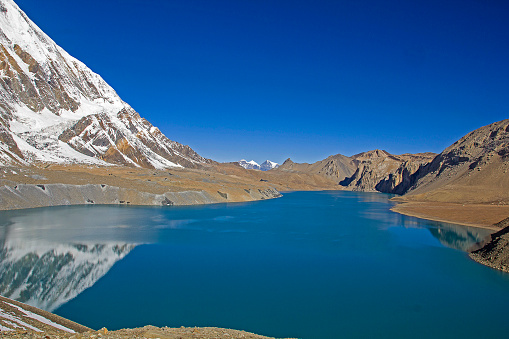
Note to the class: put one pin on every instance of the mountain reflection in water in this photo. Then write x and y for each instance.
(41, 268)
(458, 237)
(48, 275)
(49, 256)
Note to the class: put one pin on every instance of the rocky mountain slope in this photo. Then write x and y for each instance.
(336, 167)
(54, 109)
(472, 170)
(19, 320)
(381, 171)
(375, 170)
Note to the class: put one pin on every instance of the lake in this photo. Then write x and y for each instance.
(309, 265)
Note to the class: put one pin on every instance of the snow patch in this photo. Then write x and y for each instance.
(41, 319)
(15, 319)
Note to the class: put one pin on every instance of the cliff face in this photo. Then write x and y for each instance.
(375, 170)
(381, 171)
(400, 180)
(54, 109)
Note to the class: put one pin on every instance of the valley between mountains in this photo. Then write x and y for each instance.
(67, 138)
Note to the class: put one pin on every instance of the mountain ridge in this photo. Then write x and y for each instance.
(375, 170)
(264, 166)
(54, 109)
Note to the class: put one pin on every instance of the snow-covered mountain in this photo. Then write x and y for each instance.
(47, 275)
(268, 165)
(53, 108)
(265, 166)
(249, 164)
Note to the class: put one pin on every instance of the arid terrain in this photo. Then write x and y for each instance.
(51, 185)
(18, 320)
(467, 183)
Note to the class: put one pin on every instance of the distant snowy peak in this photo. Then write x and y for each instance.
(268, 165)
(265, 166)
(249, 164)
(53, 108)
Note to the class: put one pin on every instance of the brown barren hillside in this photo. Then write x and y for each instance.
(375, 170)
(471, 172)
(53, 185)
(335, 167)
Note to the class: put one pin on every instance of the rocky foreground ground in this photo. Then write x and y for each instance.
(18, 320)
(142, 332)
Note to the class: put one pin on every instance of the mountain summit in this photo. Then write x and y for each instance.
(53, 108)
(268, 165)
(265, 166)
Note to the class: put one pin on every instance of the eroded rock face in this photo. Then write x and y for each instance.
(384, 172)
(376, 170)
(403, 178)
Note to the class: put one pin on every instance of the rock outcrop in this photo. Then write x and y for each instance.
(495, 253)
(375, 170)
(381, 171)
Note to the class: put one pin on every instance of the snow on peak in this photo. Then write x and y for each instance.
(58, 110)
(249, 164)
(268, 165)
(265, 166)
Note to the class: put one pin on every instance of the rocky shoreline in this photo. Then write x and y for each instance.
(494, 252)
(32, 196)
(33, 187)
(56, 185)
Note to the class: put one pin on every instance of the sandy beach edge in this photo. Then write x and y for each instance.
(481, 216)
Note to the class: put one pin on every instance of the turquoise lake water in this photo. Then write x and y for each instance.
(307, 265)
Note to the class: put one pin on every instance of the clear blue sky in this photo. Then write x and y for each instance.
(272, 79)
